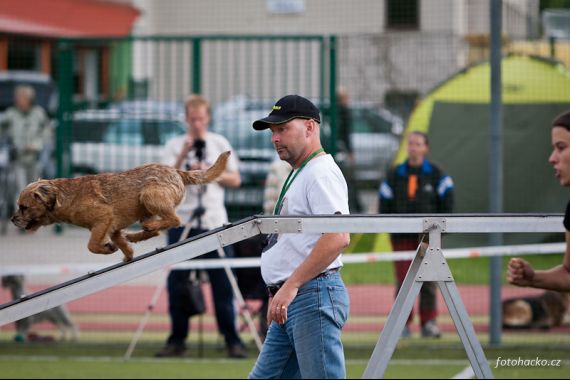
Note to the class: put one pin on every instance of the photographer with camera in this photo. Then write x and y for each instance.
(203, 209)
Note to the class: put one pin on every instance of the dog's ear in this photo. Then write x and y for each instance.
(47, 194)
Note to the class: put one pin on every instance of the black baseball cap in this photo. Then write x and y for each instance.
(288, 108)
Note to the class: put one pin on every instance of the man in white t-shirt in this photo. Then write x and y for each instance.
(308, 303)
(203, 207)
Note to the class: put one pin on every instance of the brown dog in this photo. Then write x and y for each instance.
(544, 311)
(110, 202)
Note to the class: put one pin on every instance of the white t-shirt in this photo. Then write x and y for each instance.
(319, 189)
(213, 196)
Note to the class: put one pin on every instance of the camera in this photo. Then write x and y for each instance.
(199, 146)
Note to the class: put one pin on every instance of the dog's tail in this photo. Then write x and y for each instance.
(198, 177)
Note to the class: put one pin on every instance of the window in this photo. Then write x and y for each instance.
(402, 14)
(23, 55)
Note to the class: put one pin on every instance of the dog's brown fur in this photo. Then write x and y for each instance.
(110, 202)
(544, 311)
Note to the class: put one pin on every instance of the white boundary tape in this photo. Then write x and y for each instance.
(452, 253)
(467, 373)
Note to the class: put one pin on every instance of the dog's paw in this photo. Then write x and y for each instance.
(133, 237)
(103, 249)
(111, 247)
(151, 226)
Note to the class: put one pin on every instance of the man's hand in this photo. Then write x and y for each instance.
(520, 272)
(279, 304)
(199, 166)
(188, 145)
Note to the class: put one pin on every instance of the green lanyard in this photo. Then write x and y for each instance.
(287, 183)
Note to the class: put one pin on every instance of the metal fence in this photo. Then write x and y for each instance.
(242, 76)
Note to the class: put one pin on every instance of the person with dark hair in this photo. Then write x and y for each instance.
(519, 271)
(203, 208)
(417, 186)
(308, 304)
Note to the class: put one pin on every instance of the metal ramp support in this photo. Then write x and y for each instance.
(430, 265)
(124, 272)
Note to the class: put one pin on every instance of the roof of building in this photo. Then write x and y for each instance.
(67, 18)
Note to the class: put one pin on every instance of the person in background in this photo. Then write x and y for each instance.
(344, 144)
(203, 207)
(519, 271)
(416, 186)
(276, 176)
(27, 126)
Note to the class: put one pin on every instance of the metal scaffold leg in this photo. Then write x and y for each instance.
(429, 265)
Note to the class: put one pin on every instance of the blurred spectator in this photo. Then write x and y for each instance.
(344, 145)
(203, 209)
(27, 126)
(344, 122)
(417, 186)
(58, 316)
(278, 172)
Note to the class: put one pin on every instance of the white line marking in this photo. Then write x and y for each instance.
(467, 373)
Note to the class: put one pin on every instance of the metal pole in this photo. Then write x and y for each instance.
(144, 320)
(496, 168)
(241, 301)
(197, 65)
(65, 87)
(333, 111)
(552, 45)
(63, 130)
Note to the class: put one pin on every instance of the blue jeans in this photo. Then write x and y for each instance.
(222, 295)
(308, 345)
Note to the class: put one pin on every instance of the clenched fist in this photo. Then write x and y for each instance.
(520, 272)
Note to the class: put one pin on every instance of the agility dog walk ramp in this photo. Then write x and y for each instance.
(428, 265)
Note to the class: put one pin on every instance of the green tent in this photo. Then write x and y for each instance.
(456, 117)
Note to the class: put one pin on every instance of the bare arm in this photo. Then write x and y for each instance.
(327, 249)
(521, 273)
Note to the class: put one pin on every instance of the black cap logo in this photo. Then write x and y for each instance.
(288, 108)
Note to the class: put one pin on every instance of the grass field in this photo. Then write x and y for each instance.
(100, 360)
(465, 271)
(100, 353)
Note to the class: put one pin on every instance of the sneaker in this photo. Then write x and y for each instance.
(170, 351)
(430, 330)
(406, 333)
(237, 351)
